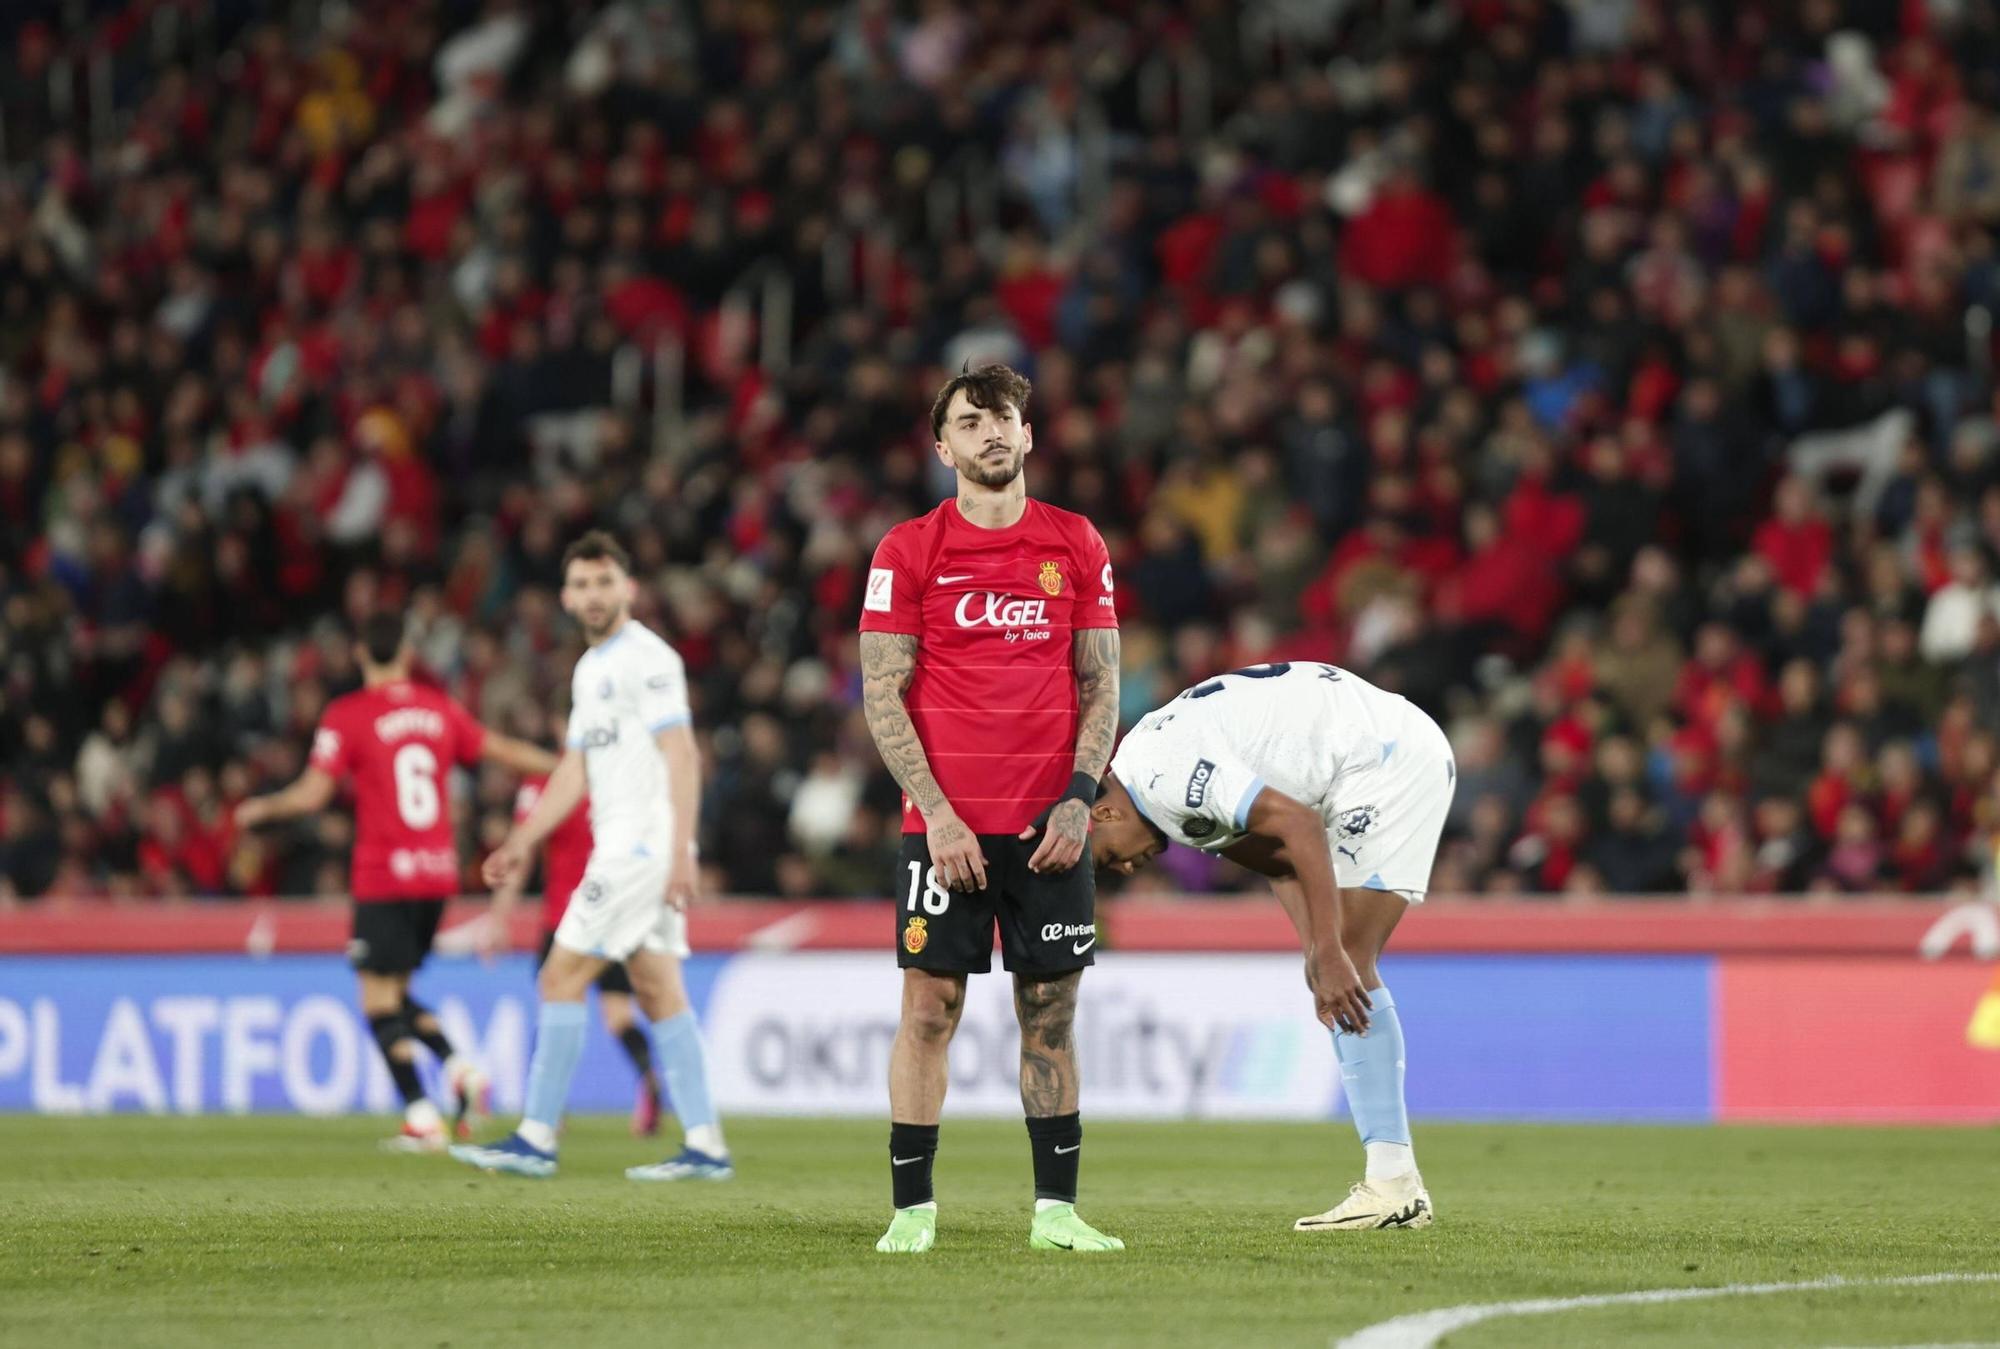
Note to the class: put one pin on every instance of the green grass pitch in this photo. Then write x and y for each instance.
(287, 1231)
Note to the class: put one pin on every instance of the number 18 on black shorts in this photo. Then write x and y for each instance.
(1048, 922)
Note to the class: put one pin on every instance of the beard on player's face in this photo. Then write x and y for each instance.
(991, 470)
(598, 617)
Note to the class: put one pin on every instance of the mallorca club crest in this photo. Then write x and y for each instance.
(916, 935)
(1051, 578)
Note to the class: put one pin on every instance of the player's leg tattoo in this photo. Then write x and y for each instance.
(1046, 1009)
(932, 1005)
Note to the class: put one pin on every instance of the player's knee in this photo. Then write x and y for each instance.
(930, 1010)
(380, 997)
(561, 984)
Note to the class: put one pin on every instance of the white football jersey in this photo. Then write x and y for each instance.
(625, 691)
(1195, 765)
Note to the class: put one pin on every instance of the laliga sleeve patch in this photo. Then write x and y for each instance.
(881, 587)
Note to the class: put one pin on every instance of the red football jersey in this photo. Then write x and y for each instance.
(993, 610)
(394, 744)
(565, 852)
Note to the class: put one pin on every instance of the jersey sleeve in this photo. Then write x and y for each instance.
(332, 748)
(1094, 602)
(1192, 789)
(468, 736)
(663, 691)
(890, 603)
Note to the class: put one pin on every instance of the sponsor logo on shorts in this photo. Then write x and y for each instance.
(1355, 822)
(1197, 788)
(916, 935)
(1064, 931)
(591, 891)
(1051, 578)
(1199, 827)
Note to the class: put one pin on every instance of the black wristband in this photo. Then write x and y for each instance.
(1082, 787)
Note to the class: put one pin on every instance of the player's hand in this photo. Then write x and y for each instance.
(508, 862)
(680, 887)
(955, 852)
(253, 812)
(1338, 998)
(1063, 838)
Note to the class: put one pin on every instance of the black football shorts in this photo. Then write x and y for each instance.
(1048, 923)
(393, 936)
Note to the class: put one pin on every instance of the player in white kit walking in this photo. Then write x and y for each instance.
(631, 741)
(1336, 791)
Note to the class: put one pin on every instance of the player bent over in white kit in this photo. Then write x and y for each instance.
(630, 736)
(1337, 792)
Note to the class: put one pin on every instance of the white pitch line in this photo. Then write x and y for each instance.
(1421, 1330)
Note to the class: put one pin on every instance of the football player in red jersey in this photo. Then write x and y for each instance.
(392, 741)
(989, 657)
(565, 857)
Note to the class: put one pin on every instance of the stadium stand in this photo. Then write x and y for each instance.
(1614, 380)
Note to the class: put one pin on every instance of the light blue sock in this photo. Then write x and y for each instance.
(684, 1069)
(558, 1047)
(1371, 1073)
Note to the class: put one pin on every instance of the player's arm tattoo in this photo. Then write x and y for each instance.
(1046, 1009)
(1094, 653)
(888, 660)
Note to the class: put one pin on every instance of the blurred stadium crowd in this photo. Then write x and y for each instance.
(1612, 377)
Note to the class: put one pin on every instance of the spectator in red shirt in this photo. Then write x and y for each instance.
(1796, 540)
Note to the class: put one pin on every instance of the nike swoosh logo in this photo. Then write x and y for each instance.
(1082, 946)
(949, 580)
(1064, 1152)
(903, 1161)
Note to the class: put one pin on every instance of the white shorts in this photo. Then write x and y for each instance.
(1385, 818)
(619, 907)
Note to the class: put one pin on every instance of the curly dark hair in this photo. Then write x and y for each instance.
(990, 386)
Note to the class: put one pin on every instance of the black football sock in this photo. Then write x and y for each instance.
(638, 1048)
(1057, 1141)
(912, 1149)
(420, 1017)
(390, 1031)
